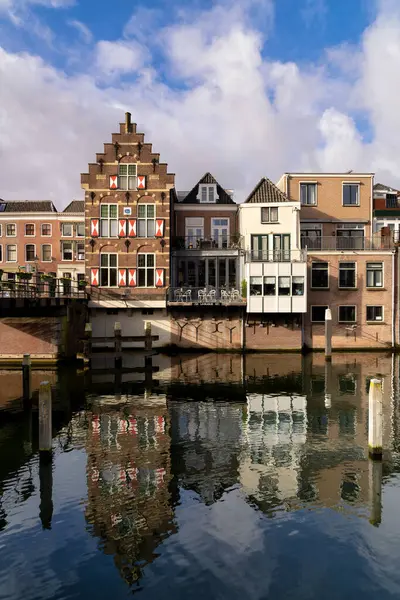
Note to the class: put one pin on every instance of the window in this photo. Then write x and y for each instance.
(374, 313)
(109, 220)
(30, 229)
(347, 314)
(80, 230)
(127, 177)
(29, 252)
(391, 201)
(269, 286)
(194, 231)
(220, 232)
(375, 275)
(319, 275)
(80, 278)
(146, 220)
(318, 314)
(1, 230)
(351, 194)
(281, 247)
(46, 253)
(1, 255)
(11, 230)
(347, 275)
(11, 253)
(256, 286)
(350, 236)
(66, 229)
(269, 214)
(259, 247)
(284, 286)
(207, 193)
(108, 270)
(66, 251)
(297, 286)
(80, 250)
(146, 265)
(46, 229)
(308, 194)
(310, 236)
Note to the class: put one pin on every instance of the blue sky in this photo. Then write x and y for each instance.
(295, 80)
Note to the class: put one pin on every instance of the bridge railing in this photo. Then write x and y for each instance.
(49, 288)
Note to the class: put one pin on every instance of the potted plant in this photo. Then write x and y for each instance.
(82, 283)
(22, 275)
(244, 289)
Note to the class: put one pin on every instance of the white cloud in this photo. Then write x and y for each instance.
(83, 30)
(227, 108)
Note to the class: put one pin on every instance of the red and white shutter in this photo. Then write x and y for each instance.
(159, 277)
(159, 424)
(113, 182)
(132, 427)
(132, 228)
(159, 227)
(122, 228)
(94, 276)
(132, 277)
(160, 474)
(141, 182)
(96, 424)
(94, 227)
(122, 277)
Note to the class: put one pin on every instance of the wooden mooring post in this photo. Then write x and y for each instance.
(148, 342)
(26, 378)
(45, 419)
(375, 491)
(46, 489)
(118, 345)
(328, 384)
(328, 334)
(375, 418)
(87, 343)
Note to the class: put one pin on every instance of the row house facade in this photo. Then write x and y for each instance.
(386, 211)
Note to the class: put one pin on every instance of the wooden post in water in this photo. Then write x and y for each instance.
(148, 342)
(45, 418)
(328, 384)
(46, 489)
(375, 417)
(375, 491)
(328, 335)
(118, 345)
(148, 375)
(26, 378)
(87, 344)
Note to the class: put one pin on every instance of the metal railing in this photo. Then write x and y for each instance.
(337, 242)
(204, 296)
(220, 242)
(56, 288)
(276, 256)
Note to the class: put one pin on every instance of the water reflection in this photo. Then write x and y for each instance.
(279, 436)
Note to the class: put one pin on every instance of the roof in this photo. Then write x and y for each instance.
(380, 187)
(76, 206)
(266, 191)
(16, 206)
(191, 197)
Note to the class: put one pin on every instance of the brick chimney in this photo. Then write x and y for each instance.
(128, 124)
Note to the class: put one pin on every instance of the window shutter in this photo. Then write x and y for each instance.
(159, 227)
(114, 182)
(94, 276)
(141, 182)
(132, 277)
(94, 227)
(160, 277)
(132, 228)
(122, 228)
(122, 277)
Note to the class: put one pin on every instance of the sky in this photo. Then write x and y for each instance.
(242, 89)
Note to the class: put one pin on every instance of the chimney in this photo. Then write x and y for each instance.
(128, 125)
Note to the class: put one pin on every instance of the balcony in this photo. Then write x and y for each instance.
(178, 296)
(276, 256)
(335, 243)
(218, 243)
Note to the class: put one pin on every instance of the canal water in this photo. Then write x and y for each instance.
(202, 476)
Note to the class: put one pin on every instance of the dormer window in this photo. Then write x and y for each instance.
(207, 194)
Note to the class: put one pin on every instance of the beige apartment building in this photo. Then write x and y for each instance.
(351, 270)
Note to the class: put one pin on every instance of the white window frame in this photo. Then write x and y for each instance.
(34, 252)
(269, 209)
(146, 268)
(108, 268)
(65, 234)
(76, 230)
(77, 251)
(1, 229)
(34, 230)
(46, 234)
(220, 240)
(346, 306)
(375, 287)
(352, 183)
(375, 320)
(41, 252)
(16, 253)
(315, 183)
(311, 281)
(62, 250)
(109, 220)
(342, 287)
(1, 254)
(128, 185)
(147, 220)
(11, 235)
(192, 238)
(207, 187)
(326, 306)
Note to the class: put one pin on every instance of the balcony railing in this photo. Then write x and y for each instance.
(204, 296)
(220, 242)
(332, 243)
(276, 256)
(55, 288)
